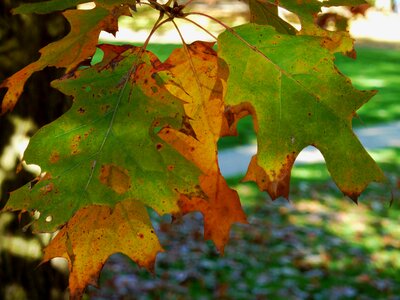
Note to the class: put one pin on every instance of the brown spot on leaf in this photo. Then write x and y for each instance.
(115, 177)
(81, 110)
(187, 127)
(47, 188)
(104, 108)
(54, 157)
(75, 144)
(159, 146)
(87, 133)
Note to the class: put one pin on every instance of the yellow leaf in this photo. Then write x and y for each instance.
(196, 80)
(96, 232)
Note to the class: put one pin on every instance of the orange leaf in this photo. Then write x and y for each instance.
(78, 46)
(197, 82)
(96, 232)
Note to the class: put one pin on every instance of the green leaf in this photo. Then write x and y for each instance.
(264, 13)
(298, 98)
(308, 10)
(105, 148)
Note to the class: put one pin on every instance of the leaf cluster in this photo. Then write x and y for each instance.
(142, 133)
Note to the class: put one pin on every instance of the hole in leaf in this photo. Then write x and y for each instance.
(36, 215)
(246, 135)
(49, 219)
(86, 6)
(241, 148)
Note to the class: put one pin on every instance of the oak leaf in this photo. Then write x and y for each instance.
(196, 78)
(297, 98)
(265, 12)
(76, 47)
(105, 148)
(96, 232)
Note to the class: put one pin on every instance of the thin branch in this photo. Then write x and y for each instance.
(254, 48)
(156, 26)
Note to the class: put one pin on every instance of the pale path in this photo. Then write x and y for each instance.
(235, 161)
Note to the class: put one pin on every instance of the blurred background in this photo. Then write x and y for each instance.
(318, 245)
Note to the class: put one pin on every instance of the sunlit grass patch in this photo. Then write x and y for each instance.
(375, 69)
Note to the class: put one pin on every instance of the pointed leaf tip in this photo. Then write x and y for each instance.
(276, 184)
(353, 196)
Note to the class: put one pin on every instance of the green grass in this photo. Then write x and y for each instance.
(161, 50)
(377, 69)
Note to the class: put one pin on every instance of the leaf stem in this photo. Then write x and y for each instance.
(190, 59)
(157, 25)
(131, 70)
(233, 32)
(187, 3)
